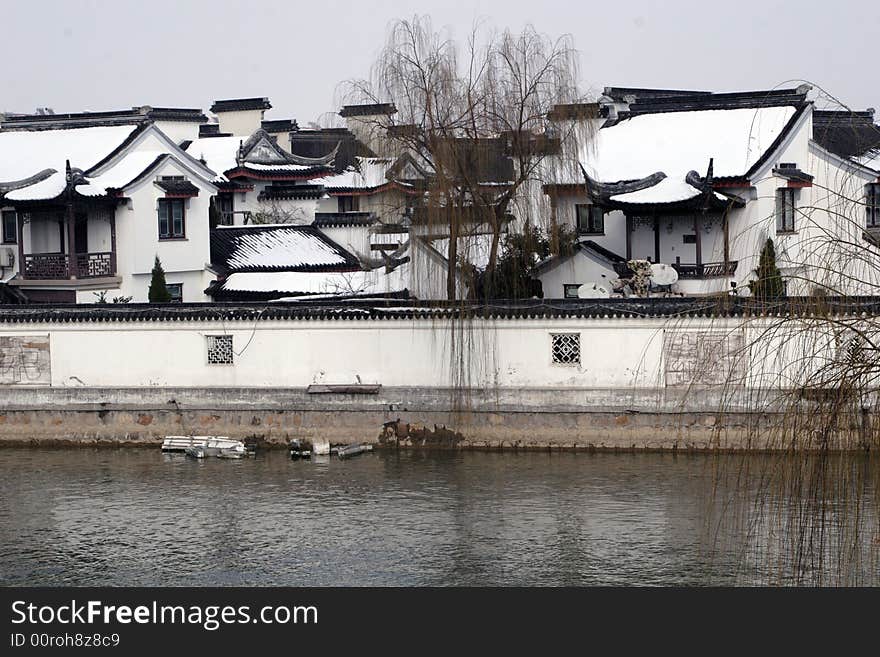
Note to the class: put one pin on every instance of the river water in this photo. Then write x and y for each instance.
(138, 517)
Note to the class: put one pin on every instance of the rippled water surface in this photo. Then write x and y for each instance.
(138, 517)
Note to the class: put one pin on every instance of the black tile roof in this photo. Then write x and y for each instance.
(178, 187)
(337, 219)
(318, 143)
(637, 308)
(249, 249)
(793, 174)
(368, 109)
(240, 105)
(177, 114)
(113, 117)
(212, 130)
(290, 191)
(708, 101)
(280, 125)
(641, 93)
(601, 250)
(845, 133)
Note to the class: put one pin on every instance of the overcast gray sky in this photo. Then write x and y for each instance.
(76, 55)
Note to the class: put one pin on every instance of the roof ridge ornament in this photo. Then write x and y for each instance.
(12, 185)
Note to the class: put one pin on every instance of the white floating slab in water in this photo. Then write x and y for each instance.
(181, 443)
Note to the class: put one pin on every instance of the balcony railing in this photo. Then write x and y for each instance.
(55, 266)
(686, 270)
(706, 269)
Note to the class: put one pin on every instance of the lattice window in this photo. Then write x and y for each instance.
(219, 349)
(566, 348)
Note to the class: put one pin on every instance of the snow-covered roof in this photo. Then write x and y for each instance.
(871, 160)
(278, 247)
(676, 143)
(27, 153)
(668, 190)
(369, 173)
(278, 167)
(123, 172)
(218, 153)
(355, 283)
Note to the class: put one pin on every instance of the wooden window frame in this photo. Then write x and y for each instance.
(786, 210)
(566, 287)
(178, 286)
(348, 203)
(872, 205)
(595, 219)
(14, 215)
(169, 212)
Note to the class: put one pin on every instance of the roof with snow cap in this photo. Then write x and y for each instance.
(103, 160)
(680, 133)
(289, 286)
(243, 249)
(241, 105)
(33, 164)
(258, 157)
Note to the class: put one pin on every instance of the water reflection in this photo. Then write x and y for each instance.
(136, 517)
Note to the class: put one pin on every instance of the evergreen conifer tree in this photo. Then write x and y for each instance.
(769, 284)
(158, 289)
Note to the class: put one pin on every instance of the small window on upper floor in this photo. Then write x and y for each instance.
(173, 178)
(872, 205)
(785, 210)
(570, 290)
(172, 218)
(590, 219)
(10, 227)
(349, 203)
(176, 292)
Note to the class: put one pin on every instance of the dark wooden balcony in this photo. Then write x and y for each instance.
(689, 270)
(57, 266)
(706, 269)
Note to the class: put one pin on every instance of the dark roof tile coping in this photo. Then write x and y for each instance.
(240, 105)
(668, 308)
(368, 109)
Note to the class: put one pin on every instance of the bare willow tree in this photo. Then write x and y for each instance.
(473, 118)
(810, 509)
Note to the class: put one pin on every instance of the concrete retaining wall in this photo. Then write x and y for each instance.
(657, 419)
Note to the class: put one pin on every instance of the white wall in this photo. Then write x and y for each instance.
(621, 353)
(243, 123)
(179, 131)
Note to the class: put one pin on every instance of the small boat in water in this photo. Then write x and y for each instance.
(202, 446)
(344, 451)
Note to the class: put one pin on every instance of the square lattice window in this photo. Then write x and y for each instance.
(219, 349)
(566, 348)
